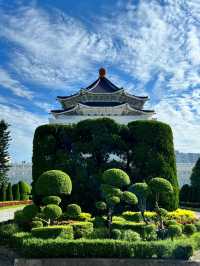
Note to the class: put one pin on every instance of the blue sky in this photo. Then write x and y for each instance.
(50, 48)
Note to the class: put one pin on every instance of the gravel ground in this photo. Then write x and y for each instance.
(6, 215)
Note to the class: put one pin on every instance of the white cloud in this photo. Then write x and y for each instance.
(152, 43)
(14, 85)
(23, 124)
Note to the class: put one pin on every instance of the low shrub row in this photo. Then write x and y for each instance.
(32, 247)
(53, 232)
(19, 191)
(180, 215)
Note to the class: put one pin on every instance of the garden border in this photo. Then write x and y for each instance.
(102, 261)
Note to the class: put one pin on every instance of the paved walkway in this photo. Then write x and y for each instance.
(8, 214)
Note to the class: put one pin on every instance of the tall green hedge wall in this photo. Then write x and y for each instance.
(144, 149)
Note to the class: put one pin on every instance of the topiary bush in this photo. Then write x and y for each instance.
(30, 211)
(52, 212)
(53, 232)
(82, 229)
(53, 182)
(101, 205)
(116, 177)
(60, 147)
(129, 198)
(73, 211)
(132, 216)
(131, 236)
(51, 200)
(148, 232)
(189, 229)
(174, 231)
(116, 234)
(36, 224)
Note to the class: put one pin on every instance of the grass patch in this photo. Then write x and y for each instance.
(11, 207)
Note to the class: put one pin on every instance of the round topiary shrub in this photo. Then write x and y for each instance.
(73, 210)
(189, 229)
(116, 234)
(36, 224)
(51, 200)
(112, 201)
(30, 211)
(101, 205)
(52, 212)
(160, 185)
(174, 231)
(116, 177)
(53, 182)
(129, 197)
(110, 190)
(131, 236)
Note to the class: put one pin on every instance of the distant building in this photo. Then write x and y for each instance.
(184, 171)
(20, 171)
(101, 99)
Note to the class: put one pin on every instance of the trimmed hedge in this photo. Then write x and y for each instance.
(82, 229)
(61, 147)
(85, 248)
(53, 182)
(53, 232)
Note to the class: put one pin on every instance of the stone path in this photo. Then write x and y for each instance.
(6, 215)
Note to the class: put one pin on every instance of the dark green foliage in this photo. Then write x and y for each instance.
(148, 232)
(53, 182)
(3, 192)
(174, 231)
(131, 236)
(101, 205)
(51, 200)
(99, 233)
(160, 185)
(30, 211)
(183, 252)
(116, 177)
(189, 229)
(73, 211)
(197, 225)
(65, 232)
(21, 220)
(9, 195)
(6, 232)
(144, 155)
(133, 217)
(52, 212)
(110, 190)
(82, 229)
(153, 155)
(112, 200)
(36, 224)
(129, 198)
(195, 176)
(15, 191)
(25, 190)
(99, 221)
(4, 155)
(116, 234)
(185, 193)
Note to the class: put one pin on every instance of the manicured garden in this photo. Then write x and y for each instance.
(89, 204)
(53, 229)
